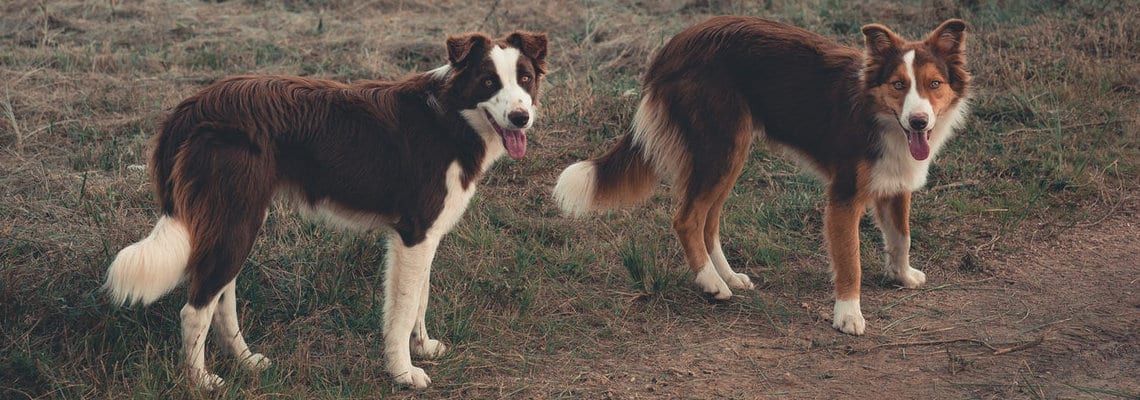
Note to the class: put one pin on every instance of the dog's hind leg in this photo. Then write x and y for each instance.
(892, 214)
(422, 345)
(712, 223)
(405, 285)
(222, 186)
(733, 279)
(195, 326)
(689, 224)
(226, 325)
(215, 262)
(722, 135)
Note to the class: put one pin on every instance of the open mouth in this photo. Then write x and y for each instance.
(919, 143)
(513, 139)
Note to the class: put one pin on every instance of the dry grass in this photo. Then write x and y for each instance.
(538, 306)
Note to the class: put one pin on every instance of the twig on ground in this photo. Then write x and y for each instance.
(1070, 126)
(931, 343)
(1020, 347)
(1047, 324)
(968, 182)
(994, 350)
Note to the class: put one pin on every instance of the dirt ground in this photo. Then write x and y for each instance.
(1060, 319)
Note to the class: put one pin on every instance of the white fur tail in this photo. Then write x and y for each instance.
(619, 178)
(575, 188)
(154, 266)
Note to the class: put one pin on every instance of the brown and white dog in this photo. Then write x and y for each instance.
(403, 157)
(867, 122)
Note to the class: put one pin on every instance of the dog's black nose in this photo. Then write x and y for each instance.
(918, 122)
(519, 118)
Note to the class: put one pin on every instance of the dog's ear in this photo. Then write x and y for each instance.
(533, 45)
(949, 38)
(880, 40)
(461, 48)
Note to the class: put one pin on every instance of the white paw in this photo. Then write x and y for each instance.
(255, 362)
(710, 282)
(848, 318)
(911, 278)
(429, 349)
(415, 378)
(739, 281)
(203, 380)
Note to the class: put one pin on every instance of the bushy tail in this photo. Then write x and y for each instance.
(620, 178)
(152, 267)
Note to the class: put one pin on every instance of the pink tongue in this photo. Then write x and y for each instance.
(919, 147)
(515, 142)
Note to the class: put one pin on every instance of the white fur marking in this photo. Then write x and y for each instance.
(733, 279)
(456, 201)
(340, 217)
(422, 344)
(407, 285)
(150, 268)
(511, 96)
(660, 140)
(914, 103)
(910, 278)
(848, 318)
(491, 139)
(897, 171)
(897, 249)
(195, 326)
(710, 282)
(575, 188)
(226, 326)
(405, 275)
(440, 72)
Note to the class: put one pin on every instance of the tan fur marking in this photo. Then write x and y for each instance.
(689, 223)
(841, 224)
(712, 218)
(660, 140)
(719, 194)
(940, 97)
(841, 232)
(698, 219)
(895, 211)
(889, 97)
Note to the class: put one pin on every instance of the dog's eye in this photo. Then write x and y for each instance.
(524, 79)
(898, 85)
(488, 82)
(935, 84)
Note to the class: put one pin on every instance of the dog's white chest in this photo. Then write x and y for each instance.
(897, 172)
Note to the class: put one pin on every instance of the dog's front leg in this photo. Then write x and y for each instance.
(423, 345)
(841, 224)
(893, 217)
(406, 279)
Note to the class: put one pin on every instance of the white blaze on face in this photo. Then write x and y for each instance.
(914, 104)
(511, 96)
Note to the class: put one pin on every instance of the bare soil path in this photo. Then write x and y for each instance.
(1060, 319)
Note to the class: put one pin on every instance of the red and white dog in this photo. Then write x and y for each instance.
(402, 156)
(867, 122)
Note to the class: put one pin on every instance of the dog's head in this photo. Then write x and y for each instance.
(919, 84)
(498, 80)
